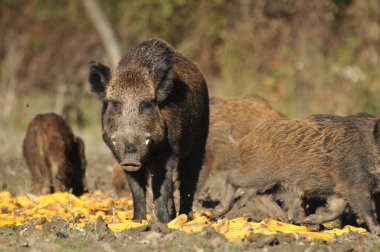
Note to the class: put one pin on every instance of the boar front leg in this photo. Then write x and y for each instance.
(188, 175)
(360, 201)
(137, 183)
(227, 201)
(274, 210)
(162, 183)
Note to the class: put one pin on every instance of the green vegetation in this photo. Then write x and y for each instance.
(304, 56)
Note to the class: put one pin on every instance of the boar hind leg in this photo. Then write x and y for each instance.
(376, 198)
(37, 179)
(188, 175)
(57, 177)
(247, 180)
(45, 177)
(361, 202)
(334, 208)
(162, 183)
(137, 183)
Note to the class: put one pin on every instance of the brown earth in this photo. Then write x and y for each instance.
(57, 236)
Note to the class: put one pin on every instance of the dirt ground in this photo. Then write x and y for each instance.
(57, 236)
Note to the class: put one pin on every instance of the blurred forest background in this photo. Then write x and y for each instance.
(304, 56)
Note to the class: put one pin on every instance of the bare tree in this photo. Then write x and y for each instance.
(104, 28)
(8, 75)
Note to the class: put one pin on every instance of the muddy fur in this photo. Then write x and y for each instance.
(54, 156)
(155, 121)
(323, 156)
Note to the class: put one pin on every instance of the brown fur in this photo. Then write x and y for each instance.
(55, 157)
(155, 121)
(239, 113)
(323, 156)
(119, 181)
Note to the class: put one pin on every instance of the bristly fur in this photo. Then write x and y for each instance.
(55, 157)
(320, 156)
(155, 120)
(240, 115)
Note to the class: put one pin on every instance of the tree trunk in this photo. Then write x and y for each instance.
(103, 26)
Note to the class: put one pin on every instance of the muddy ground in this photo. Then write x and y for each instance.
(56, 236)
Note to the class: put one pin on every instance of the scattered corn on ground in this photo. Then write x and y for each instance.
(117, 213)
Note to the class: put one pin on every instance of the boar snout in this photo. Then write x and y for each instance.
(130, 148)
(131, 162)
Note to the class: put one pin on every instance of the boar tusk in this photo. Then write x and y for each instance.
(147, 141)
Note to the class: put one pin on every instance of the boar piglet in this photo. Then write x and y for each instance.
(54, 156)
(328, 157)
(154, 120)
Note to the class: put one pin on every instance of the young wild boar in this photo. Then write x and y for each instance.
(155, 120)
(55, 157)
(240, 113)
(327, 157)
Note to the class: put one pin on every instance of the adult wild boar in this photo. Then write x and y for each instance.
(154, 119)
(54, 156)
(239, 113)
(323, 156)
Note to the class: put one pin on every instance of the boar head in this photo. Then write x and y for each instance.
(132, 95)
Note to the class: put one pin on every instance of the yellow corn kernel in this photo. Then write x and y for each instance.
(355, 229)
(5, 195)
(118, 227)
(238, 223)
(24, 201)
(221, 226)
(193, 228)
(122, 215)
(233, 235)
(178, 222)
(315, 235)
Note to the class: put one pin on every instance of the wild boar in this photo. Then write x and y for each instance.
(240, 113)
(55, 157)
(155, 119)
(323, 156)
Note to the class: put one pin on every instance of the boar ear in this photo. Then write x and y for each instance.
(163, 75)
(98, 77)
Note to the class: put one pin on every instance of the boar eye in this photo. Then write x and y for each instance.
(146, 106)
(115, 107)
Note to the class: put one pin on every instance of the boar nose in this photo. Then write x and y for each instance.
(131, 162)
(130, 148)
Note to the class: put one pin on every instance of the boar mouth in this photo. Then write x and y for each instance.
(130, 166)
